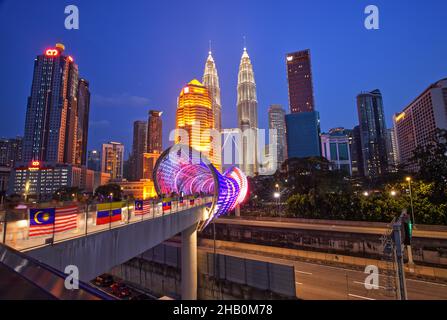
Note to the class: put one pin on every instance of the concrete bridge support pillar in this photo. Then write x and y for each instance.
(189, 263)
(237, 211)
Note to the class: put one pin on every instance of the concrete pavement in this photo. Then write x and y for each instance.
(322, 282)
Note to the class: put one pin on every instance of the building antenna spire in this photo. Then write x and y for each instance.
(245, 43)
(210, 47)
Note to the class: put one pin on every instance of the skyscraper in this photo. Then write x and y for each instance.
(355, 144)
(303, 135)
(211, 82)
(154, 143)
(196, 119)
(247, 111)
(10, 151)
(303, 124)
(52, 112)
(154, 132)
(372, 133)
(82, 122)
(391, 147)
(94, 160)
(138, 148)
(299, 76)
(112, 159)
(277, 121)
(416, 124)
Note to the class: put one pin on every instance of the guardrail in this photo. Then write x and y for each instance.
(37, 227)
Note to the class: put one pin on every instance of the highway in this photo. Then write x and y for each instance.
(421, 233)
(321, 282)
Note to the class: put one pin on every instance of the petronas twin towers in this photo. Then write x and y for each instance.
(211, 82)
(247, 108)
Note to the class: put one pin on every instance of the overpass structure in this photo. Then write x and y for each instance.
(95, 238)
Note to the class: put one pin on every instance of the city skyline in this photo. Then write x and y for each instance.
(234, 153)
(114, 107)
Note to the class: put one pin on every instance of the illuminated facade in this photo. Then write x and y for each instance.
(195, 122)
(211, 81)
(277, 121)
(40, 180)
(10, 151)
(56, 120)
(82, 122)
(299, 78)
(142, 189)
(138, 149)
(154, 132)
(247, 111)
(184, 171)
(149, 160)
(416, 125)
(112, 159)
(373, 133)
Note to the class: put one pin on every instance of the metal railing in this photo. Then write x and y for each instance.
(15, 226)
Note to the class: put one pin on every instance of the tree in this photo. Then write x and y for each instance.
(67, 194)
(301, 206)
(313, 175)
(432, 162)
(104, 192)
(12, 201)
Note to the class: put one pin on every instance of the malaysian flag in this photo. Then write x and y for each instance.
(49, 220)
(142, 207)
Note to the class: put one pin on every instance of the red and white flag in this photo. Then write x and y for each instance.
(66, 218)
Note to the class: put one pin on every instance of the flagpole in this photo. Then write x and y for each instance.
(86, 217)
(128, 211)
(54, 227)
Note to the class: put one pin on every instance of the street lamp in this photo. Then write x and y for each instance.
(366, 193)
(393, 193)
(27, 184)
(277, 196)
(411, 199)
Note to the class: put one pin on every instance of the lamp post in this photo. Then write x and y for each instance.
(110, 211)
(277, 196)
(411, 199)
(27, 184)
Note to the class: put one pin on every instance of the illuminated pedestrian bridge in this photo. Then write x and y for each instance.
(182, 171)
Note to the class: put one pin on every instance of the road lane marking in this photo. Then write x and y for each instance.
(428, 282)
(314, 265)
(360, 297)
(303, 272)
(372, 285)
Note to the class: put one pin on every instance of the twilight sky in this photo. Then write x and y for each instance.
(138, 54)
